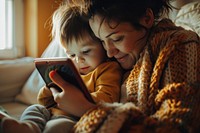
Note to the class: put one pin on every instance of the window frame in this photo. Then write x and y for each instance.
(18, 49)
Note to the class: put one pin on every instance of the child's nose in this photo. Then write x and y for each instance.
(80, 59)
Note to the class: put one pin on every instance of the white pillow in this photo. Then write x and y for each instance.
(35, 82)
(188, 17)
(14, 74)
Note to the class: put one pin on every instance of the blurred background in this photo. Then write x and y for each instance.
(25, 27)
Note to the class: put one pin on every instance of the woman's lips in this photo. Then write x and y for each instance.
(121, 59)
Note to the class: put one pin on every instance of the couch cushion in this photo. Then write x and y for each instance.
(14, 109)
(31, 88)
(14, 74)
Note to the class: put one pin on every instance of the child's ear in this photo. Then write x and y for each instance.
(148, 19)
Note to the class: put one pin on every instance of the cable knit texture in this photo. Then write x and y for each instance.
(163, 88)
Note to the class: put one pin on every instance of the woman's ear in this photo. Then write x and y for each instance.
(148, 19)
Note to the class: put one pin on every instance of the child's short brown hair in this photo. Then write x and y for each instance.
(68, 25)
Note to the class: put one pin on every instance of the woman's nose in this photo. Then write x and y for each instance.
(111, 50)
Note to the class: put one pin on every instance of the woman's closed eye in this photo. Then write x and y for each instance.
(118, 39)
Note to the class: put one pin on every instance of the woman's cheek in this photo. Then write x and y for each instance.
(127, 49)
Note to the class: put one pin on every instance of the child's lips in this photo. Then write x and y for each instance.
(84, 68)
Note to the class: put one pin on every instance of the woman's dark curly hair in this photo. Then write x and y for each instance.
(123, 10)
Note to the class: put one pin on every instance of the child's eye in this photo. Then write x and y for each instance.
(86, 51)
(72, 56)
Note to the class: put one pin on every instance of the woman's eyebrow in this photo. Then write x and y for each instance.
(111, 34)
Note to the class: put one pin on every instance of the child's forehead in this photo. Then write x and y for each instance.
(85, 39)
(80, 45)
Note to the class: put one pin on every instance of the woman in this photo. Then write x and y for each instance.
(164, 63)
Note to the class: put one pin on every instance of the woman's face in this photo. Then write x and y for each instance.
(121, 40)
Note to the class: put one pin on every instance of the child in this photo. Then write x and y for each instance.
(101, 76)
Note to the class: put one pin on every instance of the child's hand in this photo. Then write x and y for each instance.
(71, 99)
(45, 97)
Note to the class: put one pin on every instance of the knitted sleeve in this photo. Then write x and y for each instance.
(121, 118)
(176, 101)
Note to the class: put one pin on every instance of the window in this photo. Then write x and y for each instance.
(11, 25)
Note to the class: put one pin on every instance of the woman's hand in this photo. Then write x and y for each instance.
(71, 99)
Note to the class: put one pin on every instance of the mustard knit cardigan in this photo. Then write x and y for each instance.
(163, 88)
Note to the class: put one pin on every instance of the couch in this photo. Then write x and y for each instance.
(20, 81)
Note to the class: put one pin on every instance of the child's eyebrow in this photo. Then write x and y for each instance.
(88, 43)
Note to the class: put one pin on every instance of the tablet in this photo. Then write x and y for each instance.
(65, 68)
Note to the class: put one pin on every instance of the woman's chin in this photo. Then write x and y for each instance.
(126, 63)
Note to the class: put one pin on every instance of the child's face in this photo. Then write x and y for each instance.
(86, 53)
